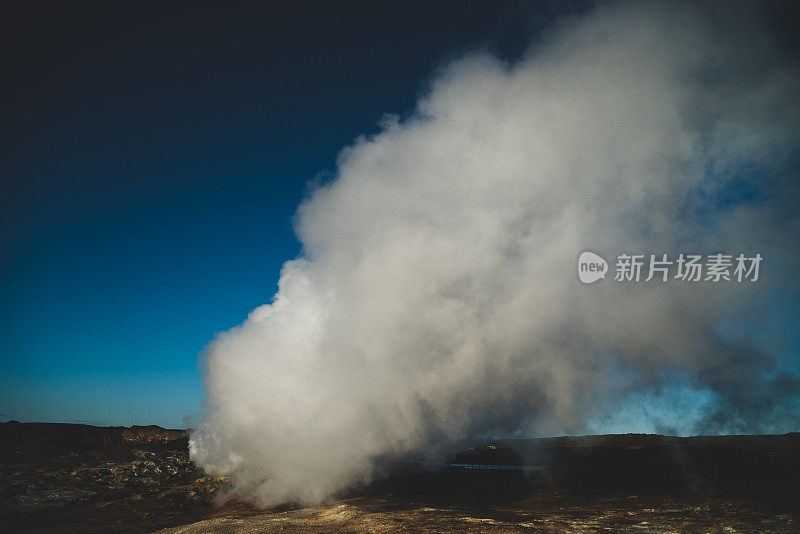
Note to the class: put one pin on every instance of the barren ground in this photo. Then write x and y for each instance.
(78, 478)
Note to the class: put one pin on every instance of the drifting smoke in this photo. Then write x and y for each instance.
(436, 299)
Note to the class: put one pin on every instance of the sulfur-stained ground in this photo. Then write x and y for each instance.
(540, 512)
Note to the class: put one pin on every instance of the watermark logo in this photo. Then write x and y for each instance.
(662, 268)
(591, 267)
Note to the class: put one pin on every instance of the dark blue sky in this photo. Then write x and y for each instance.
(151, 159)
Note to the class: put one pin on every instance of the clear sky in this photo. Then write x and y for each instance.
(152, 156)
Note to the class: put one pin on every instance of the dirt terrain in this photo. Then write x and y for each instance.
(66, 478)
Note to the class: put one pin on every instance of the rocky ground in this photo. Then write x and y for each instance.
(80, 478)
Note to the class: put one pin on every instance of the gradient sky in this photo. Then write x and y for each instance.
(152, 157)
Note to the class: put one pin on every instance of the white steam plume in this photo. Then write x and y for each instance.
(436, 299)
